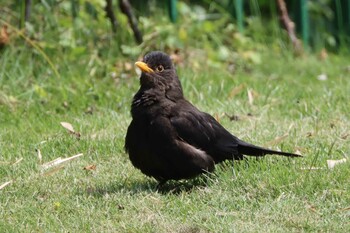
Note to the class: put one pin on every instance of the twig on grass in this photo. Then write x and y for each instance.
(17, 161)
(5, 184)
(58, 161)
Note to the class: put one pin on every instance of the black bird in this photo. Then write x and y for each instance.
(169, 138)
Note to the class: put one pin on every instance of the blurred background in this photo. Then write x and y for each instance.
(222, 28)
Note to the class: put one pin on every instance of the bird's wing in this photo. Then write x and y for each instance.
(202, 131)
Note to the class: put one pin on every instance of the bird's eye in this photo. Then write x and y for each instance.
(160, 68)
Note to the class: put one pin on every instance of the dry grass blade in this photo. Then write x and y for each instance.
(311, 208)
(312, 168)
(51, 163)
(250, 96)
(40, 157)
(58, 161)
(5, 184)
(344, 209)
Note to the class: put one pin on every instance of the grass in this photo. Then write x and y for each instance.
(272, 194)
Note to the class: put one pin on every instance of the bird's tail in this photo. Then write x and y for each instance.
(250, 149)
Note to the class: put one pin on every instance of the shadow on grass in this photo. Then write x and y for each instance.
(148, 186)
(177, 187)
(133, 186)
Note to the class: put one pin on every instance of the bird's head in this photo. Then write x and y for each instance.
(156, 62)
(158, 71)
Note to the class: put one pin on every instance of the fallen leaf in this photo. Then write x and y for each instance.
(68, 126)
(5, 184)
(4, 36)
(332, 163)
(91, 167)
(298, 152)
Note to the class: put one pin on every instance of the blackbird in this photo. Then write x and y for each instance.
(169, 138)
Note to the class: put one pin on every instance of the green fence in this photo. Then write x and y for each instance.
(317, 22)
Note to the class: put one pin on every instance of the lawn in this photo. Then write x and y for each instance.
(281, 102)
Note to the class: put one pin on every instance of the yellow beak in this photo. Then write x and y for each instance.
(143, 67)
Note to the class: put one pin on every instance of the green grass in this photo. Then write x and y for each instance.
(272, 194)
